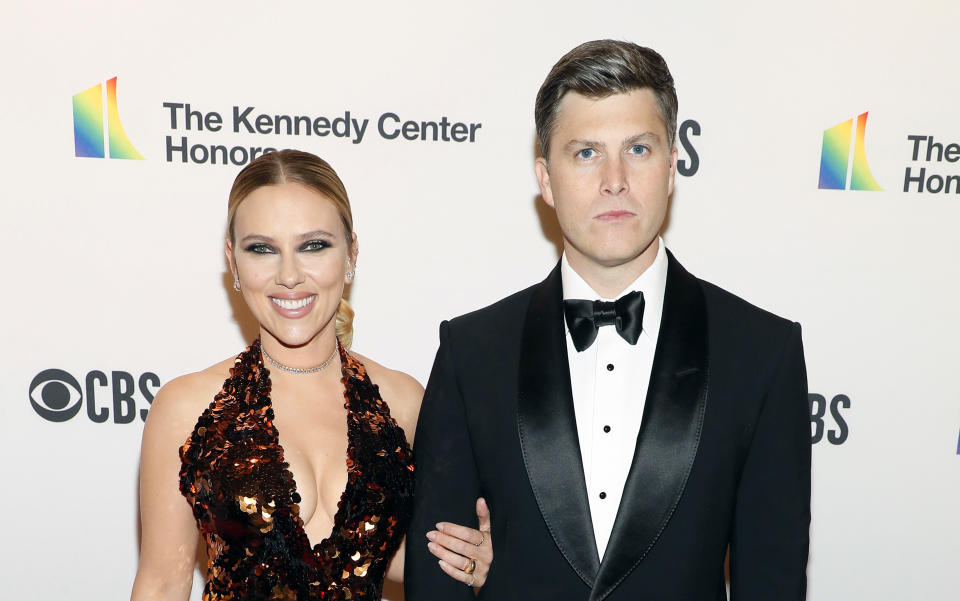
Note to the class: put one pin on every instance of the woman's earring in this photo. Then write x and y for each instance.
(350, 270)
(236, 284)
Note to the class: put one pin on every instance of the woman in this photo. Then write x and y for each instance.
(283, 515)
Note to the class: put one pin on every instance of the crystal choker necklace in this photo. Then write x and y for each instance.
(297, 370)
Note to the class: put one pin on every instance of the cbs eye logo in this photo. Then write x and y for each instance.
(57, 396)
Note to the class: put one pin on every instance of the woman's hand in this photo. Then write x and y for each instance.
(465, 554)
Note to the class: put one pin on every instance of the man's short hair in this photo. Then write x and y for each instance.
(602, 68)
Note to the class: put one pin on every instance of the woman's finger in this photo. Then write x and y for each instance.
(459, 575)
(469, 535)
(458, 561)
(483, 516)
(455, 544)
(463, 551)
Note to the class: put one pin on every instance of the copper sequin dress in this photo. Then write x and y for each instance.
(246, 504)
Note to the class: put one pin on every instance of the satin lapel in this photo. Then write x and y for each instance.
(548, 430)
(669, 433)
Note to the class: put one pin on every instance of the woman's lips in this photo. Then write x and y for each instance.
(293, 308)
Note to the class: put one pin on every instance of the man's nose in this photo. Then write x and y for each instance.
(614, 176)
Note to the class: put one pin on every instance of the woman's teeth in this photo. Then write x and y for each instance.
(290, 305)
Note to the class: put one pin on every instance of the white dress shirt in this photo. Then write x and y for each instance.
(609, 382)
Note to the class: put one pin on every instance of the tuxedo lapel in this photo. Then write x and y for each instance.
(548, 430)
(669, 432)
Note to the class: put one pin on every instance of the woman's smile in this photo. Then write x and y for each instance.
(294, 306)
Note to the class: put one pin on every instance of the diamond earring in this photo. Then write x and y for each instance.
(236, 284)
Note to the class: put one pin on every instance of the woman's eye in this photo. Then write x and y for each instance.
(260, 248)
(586, 153)
(314, 246)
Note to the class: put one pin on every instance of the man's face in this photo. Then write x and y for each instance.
(611, 170)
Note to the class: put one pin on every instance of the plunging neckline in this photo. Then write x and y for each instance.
(342, 505)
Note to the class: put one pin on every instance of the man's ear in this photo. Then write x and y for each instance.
(543, 178)
(674, 153)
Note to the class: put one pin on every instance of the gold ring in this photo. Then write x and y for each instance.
(471, 566)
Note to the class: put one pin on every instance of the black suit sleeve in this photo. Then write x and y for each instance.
(447, 485)
(770, 539)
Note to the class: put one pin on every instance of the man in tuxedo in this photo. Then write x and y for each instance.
(626, 421)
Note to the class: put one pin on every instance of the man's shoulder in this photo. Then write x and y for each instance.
(510, 308)
(727, 310)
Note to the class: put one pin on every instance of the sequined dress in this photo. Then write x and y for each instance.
(245, 500)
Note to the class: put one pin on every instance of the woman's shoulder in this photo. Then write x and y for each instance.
(392, 380)
(180, 401)
(400, 391)
(173, 416)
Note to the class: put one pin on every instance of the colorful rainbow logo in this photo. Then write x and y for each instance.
(88, 125)
(835, 158)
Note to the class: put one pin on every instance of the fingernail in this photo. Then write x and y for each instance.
(482, 500)
(440, 526)
(431, 546)
(442, 563)
(431, 535)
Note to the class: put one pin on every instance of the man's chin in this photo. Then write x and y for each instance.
(616, 253)
(620, 257)
(611, 260)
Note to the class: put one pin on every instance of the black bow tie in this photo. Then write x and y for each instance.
(584, 318)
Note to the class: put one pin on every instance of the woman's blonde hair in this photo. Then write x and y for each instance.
(296, 166)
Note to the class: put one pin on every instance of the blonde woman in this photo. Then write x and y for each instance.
(292, 460)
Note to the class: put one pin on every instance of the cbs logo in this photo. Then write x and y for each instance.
(57, 396)
(819, 421)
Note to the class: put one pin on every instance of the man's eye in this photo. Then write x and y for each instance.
(586, 153)
(638, 149)
(314, 246)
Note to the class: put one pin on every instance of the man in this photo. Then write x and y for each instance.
(625, 421)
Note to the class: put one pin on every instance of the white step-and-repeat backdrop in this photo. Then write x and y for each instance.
(819, 178)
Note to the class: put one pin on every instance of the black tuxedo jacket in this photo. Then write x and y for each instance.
(722, 457)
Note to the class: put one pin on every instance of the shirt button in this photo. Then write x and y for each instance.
(606, 428)
(609, 366)
(603, 495)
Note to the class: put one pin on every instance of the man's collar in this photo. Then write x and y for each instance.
(652, 283)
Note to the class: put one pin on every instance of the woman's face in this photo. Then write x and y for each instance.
(291, 255)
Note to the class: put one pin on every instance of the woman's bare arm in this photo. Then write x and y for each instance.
(169, 533)
(403, 394)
